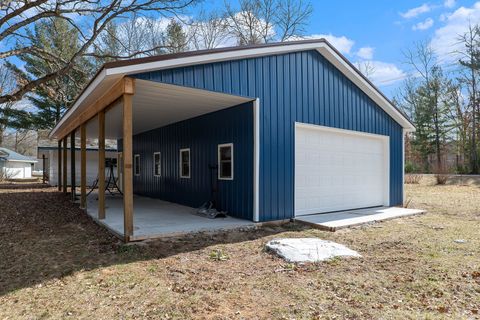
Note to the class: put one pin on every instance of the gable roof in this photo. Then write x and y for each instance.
(112, 71)
(9, 155)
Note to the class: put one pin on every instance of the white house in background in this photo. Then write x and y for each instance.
(14, 165)
(51, 164)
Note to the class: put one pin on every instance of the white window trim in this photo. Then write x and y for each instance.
(189, 163)
(218, 159)
(160, 161)
(135, 161)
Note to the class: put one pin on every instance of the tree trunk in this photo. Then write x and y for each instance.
(474, 160)
(437, 135)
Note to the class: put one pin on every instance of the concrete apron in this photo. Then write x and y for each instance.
(154, 218)
(344, 219)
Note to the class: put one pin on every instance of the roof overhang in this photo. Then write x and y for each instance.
(158, 104)
(24, 161)
(112, 73)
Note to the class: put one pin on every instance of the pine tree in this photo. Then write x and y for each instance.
(175, 38)
(110, 48)
(60, 42)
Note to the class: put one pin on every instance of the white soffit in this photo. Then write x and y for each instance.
(157, 104)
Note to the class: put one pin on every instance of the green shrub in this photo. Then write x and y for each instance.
(410, 167)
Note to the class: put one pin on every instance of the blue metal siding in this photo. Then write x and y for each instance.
(302, 87)
(202, 135)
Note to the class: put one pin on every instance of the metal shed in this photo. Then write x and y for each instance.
(302, 130)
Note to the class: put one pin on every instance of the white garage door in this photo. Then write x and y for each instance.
(339, 169)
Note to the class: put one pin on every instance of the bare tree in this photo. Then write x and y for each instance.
(21, 141)
(208, 31)
(460, 118)
(291, 18)
(90, 18)
(263, 21)
(134, 37)
(430, 113)
(366, 68)
(470, 60)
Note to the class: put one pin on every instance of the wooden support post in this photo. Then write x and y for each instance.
(72, 166)
(65, 163)
(101, 164)
(83, 166)
(127, 167)
(59, 165)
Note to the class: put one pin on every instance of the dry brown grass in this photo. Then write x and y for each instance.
(413, 178)
(58, 264)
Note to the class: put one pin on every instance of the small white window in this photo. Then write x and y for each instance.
(136, 164)
(157, 165)
(225, 161)
(184, 163)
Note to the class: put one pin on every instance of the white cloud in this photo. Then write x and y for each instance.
(445, 40)
(365, 53)
(414, 12)
(423, 25)
(384, 73)
(450, 3)
(342, 43)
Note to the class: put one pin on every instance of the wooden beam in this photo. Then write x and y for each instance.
(101, 164)
(72, 166)
(83, 166)
(65, 163)
(59, 165)
(127, 167)
(123, 86)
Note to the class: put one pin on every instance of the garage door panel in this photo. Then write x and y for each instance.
(339, 170)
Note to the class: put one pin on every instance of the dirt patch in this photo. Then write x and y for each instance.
(57, 263)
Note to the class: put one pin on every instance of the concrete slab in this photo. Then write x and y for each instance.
(154, 218)
(344, 219)
(308, 249)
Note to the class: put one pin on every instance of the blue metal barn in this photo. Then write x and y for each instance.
(269, 132)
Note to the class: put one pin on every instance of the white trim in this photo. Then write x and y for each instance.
(189, 163)
(160, 161)
(386, 157)
(345, 131)
(322, 47)
(212, 57)
(88, 90)
(365, 86)
(219, 161)
(135, 162)
(25, 161)
(256, 160)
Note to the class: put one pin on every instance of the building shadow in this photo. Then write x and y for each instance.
(43, 236)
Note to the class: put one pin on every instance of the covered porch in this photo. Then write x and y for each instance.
(155, 218)
(126, 108)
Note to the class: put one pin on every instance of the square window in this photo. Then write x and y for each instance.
(136, 164)
(225, 161)
(184, 163)
(157, 166)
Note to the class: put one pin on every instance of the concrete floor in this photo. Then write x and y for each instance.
(344, 219)
(154, 218)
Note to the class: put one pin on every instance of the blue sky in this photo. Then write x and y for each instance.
(378, 31)
(384, 28)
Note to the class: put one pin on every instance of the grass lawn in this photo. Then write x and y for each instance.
(56, 263)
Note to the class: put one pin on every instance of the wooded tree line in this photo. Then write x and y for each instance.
(442, 99)
(50, 49)
(53, 48)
